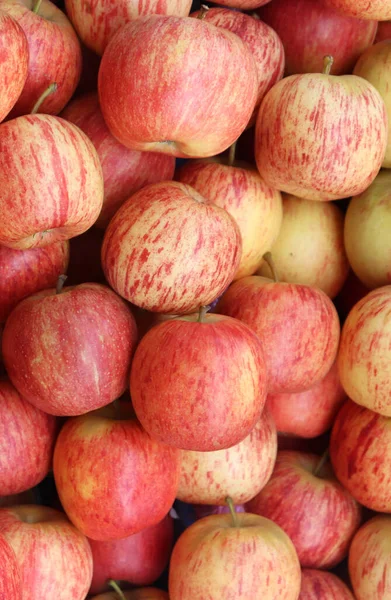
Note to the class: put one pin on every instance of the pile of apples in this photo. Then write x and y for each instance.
(195, 300)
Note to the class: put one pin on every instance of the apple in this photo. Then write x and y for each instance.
(10, 584)
(51, 183)
(54, 54)
(140, 594)
(383, 31)
(352, 291)
(70, 352)
(380, 10)
(209, 376)
(360, 445)
(304, 498)
(309, 248)
(112, 478)
(25, 272)
(139, 559)
(309, 30)
(321, 137)
(369, 559)
(310, 413)
(321, 585)
(240, 471)
(14, 58)
(177, 85)
(363, 356)
(242, 557)
(243, 4)
(54, 558)
(170, 251)
(239, 189)
(297, 324)
(125, 171)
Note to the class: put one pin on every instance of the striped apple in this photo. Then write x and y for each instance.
(14, 57)
(379, 10)
(10, 582)
(322, 585)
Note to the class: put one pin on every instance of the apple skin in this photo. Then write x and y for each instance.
(298, 327)
(239, 472)
(220, 364)
(310, 413)
(383, 31)
(125, 171)
(64, 355)
(256, 208)
(51, 182)
(243, 4)
(54, 55)
(140, 594)
(310, 246)
(317, 513)
(363, 356)
(309, 30)
(321, 585)
(379, 10)
(54, 558)
(209, 92)
(369, 559)
(214, 558)
(139, 559)
(170, 251)
(338, 123)
(25, 272)
(14, 59)
(10, 584)
(360, 445)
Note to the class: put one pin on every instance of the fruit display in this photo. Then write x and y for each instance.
(195, 300)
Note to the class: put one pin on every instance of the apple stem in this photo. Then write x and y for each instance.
(327, 64)
(116, 588)
(36, 6)
(201, 313)
(255, 15)
(60, 283)
(267, 257)
(232, 510)
(203, 10)
(231, 155)
(322, 461)
(49, 90)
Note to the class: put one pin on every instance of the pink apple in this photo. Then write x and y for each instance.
(208, 95)
(170, 251)
(25, 272)
(309, 30)
(51, 183)
(243, 4)
(140, 594)
(14, 57)
(54, 54)
(54, 558)
(10, 583)
(113, 479)
(124, 171)
(383, 31)
(321, 585)
(352, 291)
(310, 413)
(239, 189)
(297, 147)
(380, 10)
(317, 513)
(360, 447)
(139, 559)
(298, 327)
(84, 263)
(70, 353)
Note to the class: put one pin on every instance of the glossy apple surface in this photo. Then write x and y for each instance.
(14, 59)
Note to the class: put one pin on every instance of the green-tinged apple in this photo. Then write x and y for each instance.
(383, 31)
(199, 382)
(70, 352)
(14, 58)
(139, 594)
(297, 324)
(51, 182)
(322, 585)
(239, 189)
(380, 10)
(305, 499)
(54, 558)
(169, 250)
(320, 136)
(177, 85)
(10, 582)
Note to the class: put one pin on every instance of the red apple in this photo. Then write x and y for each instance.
(10, 583)
(70, 353)
(309, 30)
(54, 54)
(298, 327)
(139, 559)
(84, 263)
(54, 558)
(219, 362)
(140, 594)
(321, 585)
(369, 559)
(380, 10)
(25, 272)
(310, 413)
(51, 183)
(124, 171)
(113, 479)
(239, 189)
(352, 291)
(321, 137)
(177, 85)
(167, 250)
(383, 31)
(317, 513)
(243, 4)
(14, 57)
(360, 447)
(249, 557)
